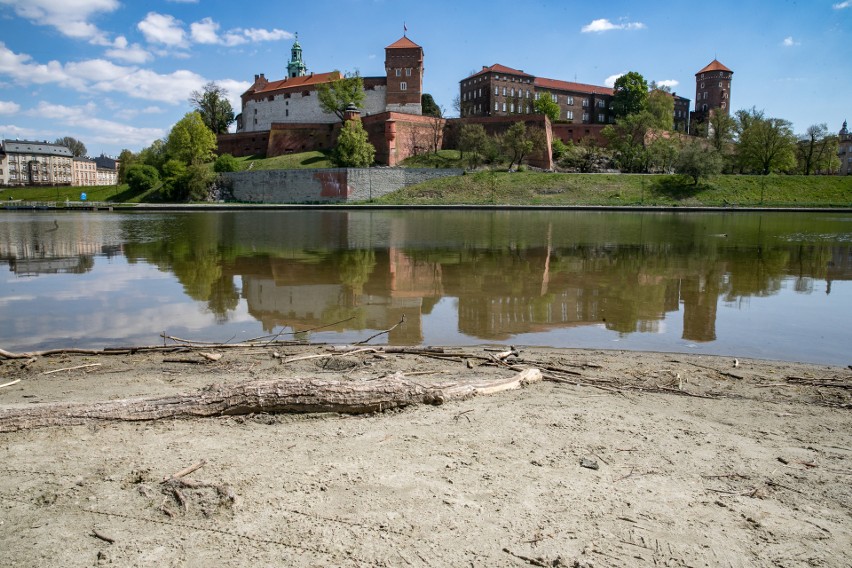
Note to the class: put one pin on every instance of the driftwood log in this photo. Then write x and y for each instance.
(290, 395)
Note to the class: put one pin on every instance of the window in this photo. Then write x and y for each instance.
(720, 84)
(408, 71)
(554, 98)
(512, 92)
(585, 117)
(496, 90)
(570, 100)
(398, 72)
(601, 117)
(496, 105)
(569, 114)
(724, 104)
(504, 107)
(585, 102)
(512, 108)
(702, 84)
(504, 91)
(528, 93)
(403, 86)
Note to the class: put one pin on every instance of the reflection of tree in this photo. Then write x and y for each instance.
(355, 267)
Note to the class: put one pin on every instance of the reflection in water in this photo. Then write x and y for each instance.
(510, 274)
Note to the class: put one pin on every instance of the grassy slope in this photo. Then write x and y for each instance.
(535, 188)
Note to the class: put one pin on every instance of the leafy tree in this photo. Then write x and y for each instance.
(226, 163)
(662, 154)
(77, 148)
(190, 140)
(766, 144)
(558, 148)
(142, 177)
(429, 106)
(518, 142)
(627, 139)
(335, 96)
(213, 106)
(661, 106)
(125, 159)
(698, 160)
(629, 94)
(544, 104)
(585, 157)
(353, 148)
(814, 147)
(473, 141)
(154, 155)
(721, 131)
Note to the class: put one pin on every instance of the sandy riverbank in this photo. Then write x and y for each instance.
(699, 463)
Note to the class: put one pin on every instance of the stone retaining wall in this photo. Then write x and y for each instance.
(332, 185)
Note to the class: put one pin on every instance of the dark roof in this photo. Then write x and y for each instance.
(43, 148)
(497, 68)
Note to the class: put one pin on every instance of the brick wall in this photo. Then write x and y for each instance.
(243, 144)
(333, 185)
(497, 125)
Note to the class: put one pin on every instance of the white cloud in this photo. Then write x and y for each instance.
(163, 28)
(206, 31)
(100, 75)
(128, 53)
(670, 83)
(842, 5)
(789, 42)
(11, 130)
(610, 81)
(87, 117)
(9, 107)
(603, 25)
(69, 17)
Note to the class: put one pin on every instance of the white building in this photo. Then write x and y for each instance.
(35, 163)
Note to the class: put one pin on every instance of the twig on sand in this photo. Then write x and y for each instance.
(400, 322)
(10, 383)
(185, 471)
(72, 368)
(98, 534)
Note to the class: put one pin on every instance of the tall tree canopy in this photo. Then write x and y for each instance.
(765, 144)
(661, 106)
(429, 106)
(544, 104)
(335, 96)
(816, 150)
(630, 94)
(190, 140)
(353, 148)
(213, 106)
(77, 148)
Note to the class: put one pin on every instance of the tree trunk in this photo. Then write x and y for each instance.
(275, 396)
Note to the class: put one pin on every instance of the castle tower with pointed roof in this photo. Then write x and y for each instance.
(712, 94)
(404, 67)
(844, 150)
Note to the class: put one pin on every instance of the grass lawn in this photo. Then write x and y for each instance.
(302, 160)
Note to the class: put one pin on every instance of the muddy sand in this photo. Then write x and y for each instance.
(615, 459)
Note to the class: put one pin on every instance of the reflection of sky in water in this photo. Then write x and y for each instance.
(121, 303)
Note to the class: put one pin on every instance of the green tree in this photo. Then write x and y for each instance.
(629, 94)
(518, 142)
(429, 106)
(142, 177)
(662, 154)
(661, 106)
(544, 104)
(721, 131)
(813, 147)
(125, 159)
(336, 95)
(213, 106)
(627, 140)
(698, 160)
(226, 163)
(766, 144)
(190, 140)
(154, 155)
(77, 148)
(353, 148)
(473, 141)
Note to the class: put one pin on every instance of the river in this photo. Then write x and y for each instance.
(767, 285)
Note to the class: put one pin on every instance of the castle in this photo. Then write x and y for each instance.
(712, 94)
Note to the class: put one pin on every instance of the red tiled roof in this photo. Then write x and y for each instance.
(497, 68)
(296, 82)
(569, 86)
(715, 66)
(403, 43)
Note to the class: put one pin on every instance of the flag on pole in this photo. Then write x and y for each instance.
(404, 28)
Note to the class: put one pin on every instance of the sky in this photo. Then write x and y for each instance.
(118, 74)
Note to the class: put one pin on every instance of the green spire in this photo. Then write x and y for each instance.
(296, 67)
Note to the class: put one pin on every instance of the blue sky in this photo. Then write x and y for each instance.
(117, 74)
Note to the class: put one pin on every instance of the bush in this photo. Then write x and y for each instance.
(141, 177)
(192, 184)
(226, 163)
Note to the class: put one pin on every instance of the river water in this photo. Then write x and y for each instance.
(766, 285)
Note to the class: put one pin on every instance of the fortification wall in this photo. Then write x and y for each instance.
(332, 185)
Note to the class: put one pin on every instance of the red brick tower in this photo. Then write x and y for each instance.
(404, 65)
(712, 93)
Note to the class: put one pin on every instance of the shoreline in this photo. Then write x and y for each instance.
(632, 459)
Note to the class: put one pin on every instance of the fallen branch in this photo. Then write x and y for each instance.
(72, 368)
(97, 534)
(400, 322)
(10, 383)
(290, 395)
(184, 472)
